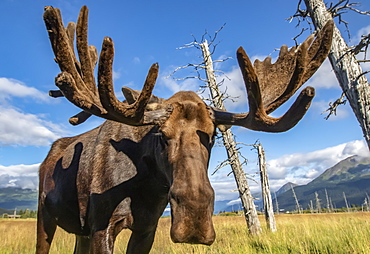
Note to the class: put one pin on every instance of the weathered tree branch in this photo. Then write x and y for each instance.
(347, 70)
(333, 107)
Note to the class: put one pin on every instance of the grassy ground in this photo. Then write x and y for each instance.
(317, 233)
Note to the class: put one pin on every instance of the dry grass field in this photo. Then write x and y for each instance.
(316, 233)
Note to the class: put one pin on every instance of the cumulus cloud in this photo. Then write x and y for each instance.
(234, 202)
(14, 88)
(324, 77)
(17, 128)
(179, 85)
(116, 75)
(19, 170)
(225, 186)
(301, 168)
(20, 176)
(233, 85)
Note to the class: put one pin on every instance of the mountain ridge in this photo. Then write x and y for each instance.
(350, 176)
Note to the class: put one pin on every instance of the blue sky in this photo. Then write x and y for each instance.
(145, 32)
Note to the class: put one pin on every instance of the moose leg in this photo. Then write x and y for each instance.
(102, 242)
(46, 227)
(82, 245)
(140, 242)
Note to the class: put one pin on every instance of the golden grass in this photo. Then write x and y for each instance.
(316, 233)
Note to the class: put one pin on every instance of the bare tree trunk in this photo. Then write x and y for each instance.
(327, 201)
(296, 200)
(345, 200)
(266, 194)
(276, 204)
(318, 205)
(249, 208)
(346, 67)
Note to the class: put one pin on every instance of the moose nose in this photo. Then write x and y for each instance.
(192, 223)
(181, 233)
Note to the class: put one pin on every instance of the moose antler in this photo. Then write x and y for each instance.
(77, 82)
(270, 85)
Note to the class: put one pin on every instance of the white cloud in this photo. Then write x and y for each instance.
(363, 31)
(20, 176)
(179, 85)
(224, 187)
(14, 88)
(234, 86)
(20, 170)
(324, 77)
(234, 202)
(301, 168)
(116, 75)
(312, 173)
(17, 128)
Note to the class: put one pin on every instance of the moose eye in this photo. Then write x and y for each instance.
(205, 139)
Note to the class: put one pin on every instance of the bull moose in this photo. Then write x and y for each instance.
(150, 151)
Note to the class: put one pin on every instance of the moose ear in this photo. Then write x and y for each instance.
(132, 95)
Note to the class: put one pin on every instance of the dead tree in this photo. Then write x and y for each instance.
(266, 194)
(276, 204)
(367, 202)
(346, 202)
(318, 203)
(298, 207)
(327, 202)
(246, 198)
(346, 67)
(310, 206)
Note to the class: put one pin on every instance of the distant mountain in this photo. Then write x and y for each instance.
(8, 211)
(286, 187)
(350, 176)
(17, 198)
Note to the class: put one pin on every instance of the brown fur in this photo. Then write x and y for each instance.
(119, 176)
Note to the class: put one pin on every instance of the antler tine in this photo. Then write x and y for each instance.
(87, 66)
(260, 121)
(318, 51)
(70, 30)
(77, 82)
(293, 68)
(109, 101)
(270, 85)
(257, 118)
